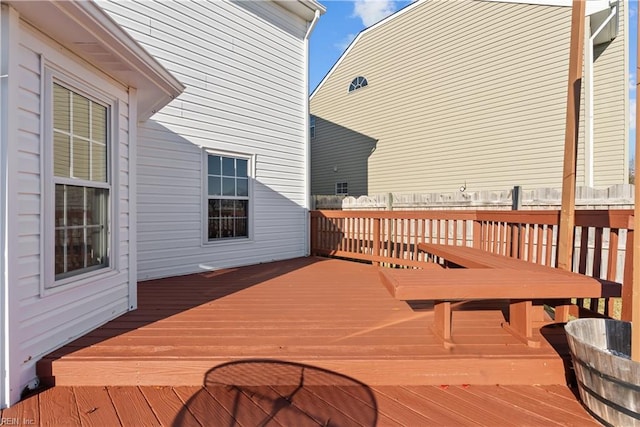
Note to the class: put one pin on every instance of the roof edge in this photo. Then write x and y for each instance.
(593, 6)
(143, 70)
(364, 31)
(305, 9)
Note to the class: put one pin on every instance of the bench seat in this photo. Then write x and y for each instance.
(519, 287)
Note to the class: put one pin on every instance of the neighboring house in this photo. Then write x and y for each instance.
(444, 94)
(97, 194)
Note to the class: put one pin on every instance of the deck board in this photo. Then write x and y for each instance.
(95, 407)
(328, 313)
(309, 405)
(248, 333)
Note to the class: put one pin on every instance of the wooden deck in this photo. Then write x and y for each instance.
(306, 405)
(322, 313)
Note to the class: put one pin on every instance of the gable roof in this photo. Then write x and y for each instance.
(593, 6)
(84, 28)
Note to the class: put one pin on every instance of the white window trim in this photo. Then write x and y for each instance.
(49, 285)
(251, 171)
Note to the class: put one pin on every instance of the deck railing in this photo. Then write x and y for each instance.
(602, 245)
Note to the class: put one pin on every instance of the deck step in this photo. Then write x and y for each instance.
(194, 371)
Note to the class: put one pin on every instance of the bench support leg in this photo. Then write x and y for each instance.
(442, 322)
(521, 322)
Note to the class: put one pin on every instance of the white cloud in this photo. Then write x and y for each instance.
(345, 42)
(372, 11)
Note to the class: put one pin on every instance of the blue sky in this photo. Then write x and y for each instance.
(345, 19)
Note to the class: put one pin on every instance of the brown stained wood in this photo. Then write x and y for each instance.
(322, 404)
(461, 406)
(242, 409)
(547, 397)
(26, 412)
(634, 282)
(203, 406)
(425, 407)
(567, 210)
(629, 280)
(480, 396)
(315, 405)
(488, 283)
(539, 246)
(132, 407)
(327, 313)
(167, 407)
(556, 414)
(58, 407)
(95, 407)
(400, 413)
(281, 408)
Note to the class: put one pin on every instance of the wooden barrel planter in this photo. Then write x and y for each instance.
(608, 380)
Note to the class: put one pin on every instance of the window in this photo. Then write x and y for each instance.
(357, 83)
(81, 180)
(312, 126)
(341, 189)
(227, 197)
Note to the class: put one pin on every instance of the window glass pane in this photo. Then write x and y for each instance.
(82, 241)
(74, 205)
(227, 208)
(80, 159)
(59, 215)
(214, 208)
(241, 208)
(98, 123)
(215, 186)
(98, 162)
(214, 229)
(228, 166)
(228, 186)
(243, 186)
(60, 251)
(214, 165)
(61, 155)
(97, 226)
(241, 168)
(61, 108)
(80, 116)
(241, 229)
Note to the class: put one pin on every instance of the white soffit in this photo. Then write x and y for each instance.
(86, 30)
(306, 9)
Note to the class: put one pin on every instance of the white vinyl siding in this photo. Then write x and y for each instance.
(243, 67)
(47, 320)
(475, 92)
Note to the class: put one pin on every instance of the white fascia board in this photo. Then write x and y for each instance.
(306, 9)
(86, 30)
(593, 6)
(360, 34)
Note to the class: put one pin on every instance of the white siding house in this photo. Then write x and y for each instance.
(244, 68)
(102, 185)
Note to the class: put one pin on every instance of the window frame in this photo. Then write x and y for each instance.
(346, 186)
(312, 126)
(49, 285)
(357, 83)
(206, 242)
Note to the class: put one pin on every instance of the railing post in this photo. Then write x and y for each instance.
(627, 281)
(314, 234)
(376, 240)
(477, 234)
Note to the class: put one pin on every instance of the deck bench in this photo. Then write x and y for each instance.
(490, 276)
